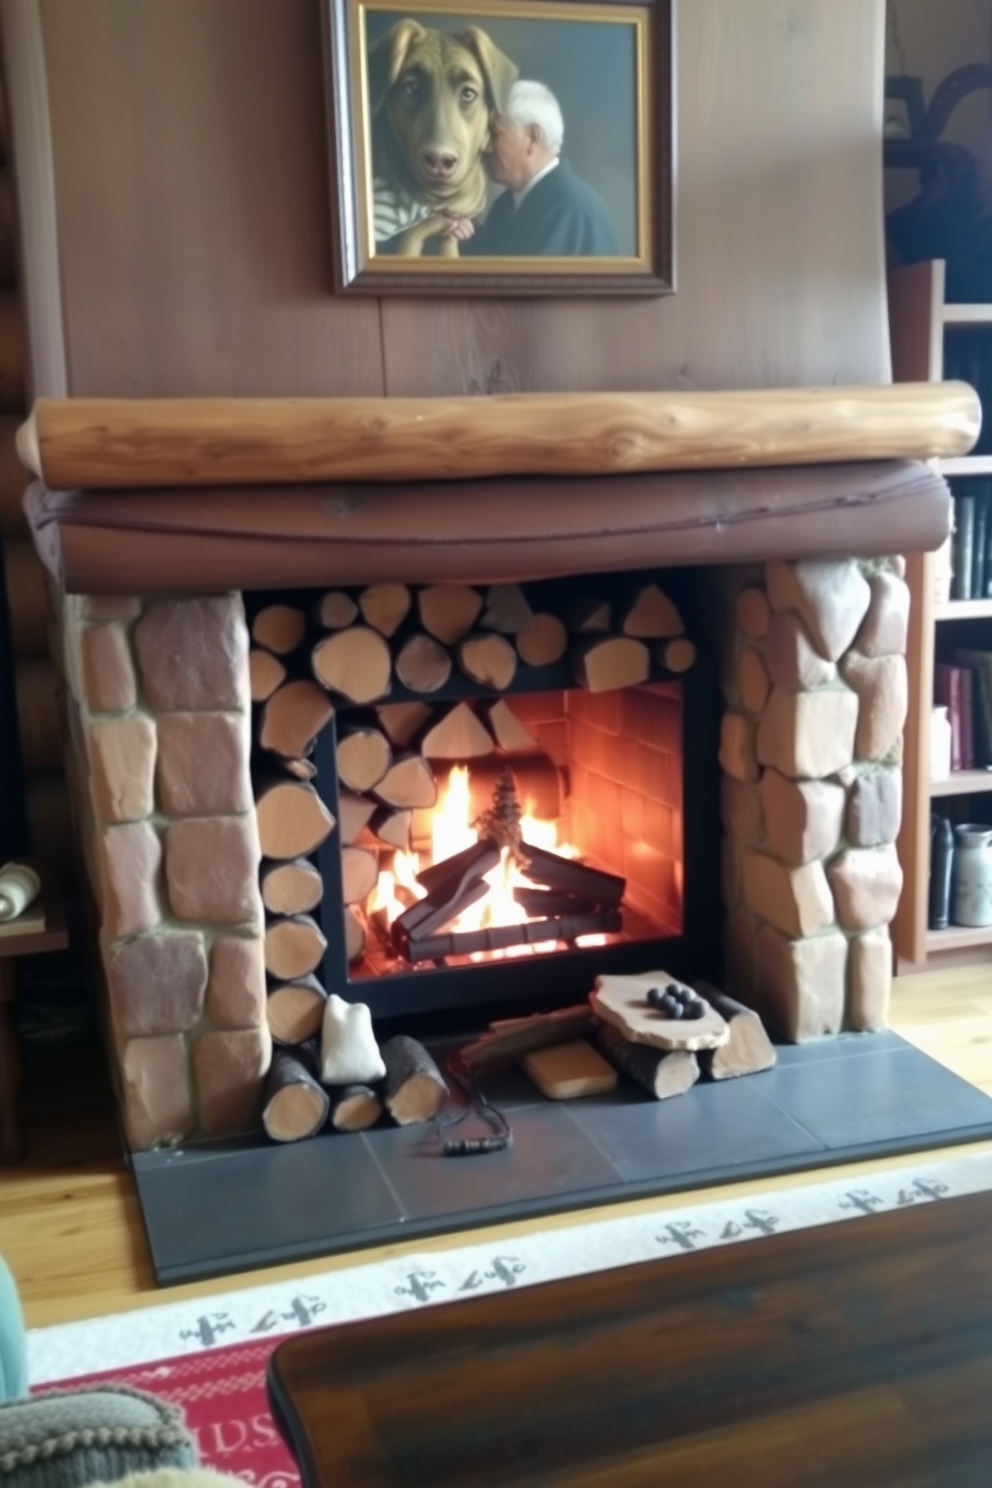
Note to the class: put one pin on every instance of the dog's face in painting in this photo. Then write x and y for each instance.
(432, 94)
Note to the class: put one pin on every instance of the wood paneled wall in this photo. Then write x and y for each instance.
(188, 143)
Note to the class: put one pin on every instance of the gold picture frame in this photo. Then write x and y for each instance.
(449, 174)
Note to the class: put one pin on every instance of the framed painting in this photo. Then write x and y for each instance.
(502, 146)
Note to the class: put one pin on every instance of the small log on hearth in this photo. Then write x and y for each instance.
(537, 778)
(652, 616)
(459, 735)
(292, 820)
(385, 606)
(678, 655)
(489, 660)
(359, 872)
(355, 813)
(356, 663)
(617, 661)
(507, 610)
(422, 664)
(294, 1105)
(279, 628)
(448, 611)
(409, 783)
(265, 673)
(294, 1012)
(542, 903)
(661, 1074)
(748, 1050)
(514, 1036)
(506, 728)
(292, 888)
(354, 1108)
(501, 937)
(336, 610)
(400, 722)
(590, 616)
(571, 877)
(392, 827)
(293, 717)
(294, 947)
(414, 1088)
(363, 758)
(299, 769)
(545, 644)
(355, 934)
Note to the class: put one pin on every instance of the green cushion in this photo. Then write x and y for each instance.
(70, 1438)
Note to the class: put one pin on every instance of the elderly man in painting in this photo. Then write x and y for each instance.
(545, 209)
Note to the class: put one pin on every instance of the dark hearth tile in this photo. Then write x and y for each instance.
(844, 1046)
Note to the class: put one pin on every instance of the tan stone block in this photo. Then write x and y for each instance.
(101, 607)
(730, 872)
(871, 981)
(236, 991)
(793, 661)
(796, 900)
(229, 1070)
(753, 613)
(803, 818)
(832, 596)
(737, 747)
(741, 810)
(740, 955)
(886, 625)
(211, 868)
(801, 983)
(155, 1091)
(121, 754)
(883, 692)
(866, 884)
(131, 857)
(755, 682)
(156, 983)
(106, 672)
(203, 764)
(808, 735)
(193, 654)
(874, 808)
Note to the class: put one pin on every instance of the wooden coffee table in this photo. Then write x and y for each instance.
(852, 1354)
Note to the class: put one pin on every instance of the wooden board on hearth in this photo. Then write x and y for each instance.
(623, 1001)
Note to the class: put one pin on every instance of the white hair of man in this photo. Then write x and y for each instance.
(532, 103)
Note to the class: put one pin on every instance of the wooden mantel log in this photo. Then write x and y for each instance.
(80, 442)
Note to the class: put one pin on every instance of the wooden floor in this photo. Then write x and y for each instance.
(70, 1227)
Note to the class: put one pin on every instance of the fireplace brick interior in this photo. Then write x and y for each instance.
(814, 681)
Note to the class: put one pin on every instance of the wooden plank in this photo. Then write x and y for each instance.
(962, 783)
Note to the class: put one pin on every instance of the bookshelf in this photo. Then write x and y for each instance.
(919, 320)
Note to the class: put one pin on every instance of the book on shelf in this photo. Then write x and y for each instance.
(979, 545)
(964, 546)
(979, 665)
(947, 692)
(971, 539)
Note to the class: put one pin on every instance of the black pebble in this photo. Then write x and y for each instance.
(655, 997)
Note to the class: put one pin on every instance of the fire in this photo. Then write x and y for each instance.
(452, 832)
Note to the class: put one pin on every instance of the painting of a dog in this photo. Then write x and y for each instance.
(432, 96)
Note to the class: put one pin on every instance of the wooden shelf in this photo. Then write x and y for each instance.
(964, 609)
(966, 465)
(962, 783)
(967, 315)
(957, 938)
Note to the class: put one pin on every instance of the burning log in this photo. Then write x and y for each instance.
(545, 644)
(570, 877)
(265, 673)
(293, 947)
(385, 606)
(293, 717)
(295, 1011)
(356, 812)
(678, 655)
(295, 1106)
(410, 783)
(423, 665)
(359, 871)
(279, 628)
(541, 903)
(507, 610)
(436, 911)
(661, 1074)
(458, 736)
(355, 1108)
(618, 661)
(337, 610)
(748, 1050)
(292, 888)
(489, 660)
(292, 820)
(356, 663)
(518, 1035)
(502, 937)
(363, 758)
(464, 864)
(393, 827)
(652, 616)
(507, 729)
(414, 1087)
(448, 611)
(402, 721)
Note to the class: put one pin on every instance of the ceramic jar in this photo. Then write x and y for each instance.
(971, 879)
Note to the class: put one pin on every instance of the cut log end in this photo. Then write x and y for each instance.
(295, 1012)
(265, 673)
(292, 888)
(293, 947)
(385, 606)
(295, 1113)
(678, 655)
(292, 718)
(363, 758)
(356, 663)
(337, 610)
(414, 1087)
(652, 616)
(448, 611)
(355, 1108)
(619, 661)
(423, 665)
(545, 644)
(279, 628)
(489, 660)
(748, 1050)
(292, 820)
(459, 735)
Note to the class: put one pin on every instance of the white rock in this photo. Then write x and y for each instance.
(349, 1054)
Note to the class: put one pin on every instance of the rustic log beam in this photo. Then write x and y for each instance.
(438, 909)
(218, 441)
(662, 1073)
(551, 871)
(513, 1036)
(748, 1049)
